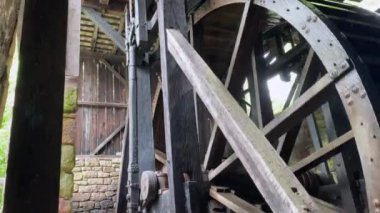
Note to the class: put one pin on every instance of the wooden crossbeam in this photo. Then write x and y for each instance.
(105, 27)
(273, 178)
(107, 140)
(102, 104)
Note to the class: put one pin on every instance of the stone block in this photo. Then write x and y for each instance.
(103, 174)
(87, 205)
(91, 162)
(95, 181)
(77, 169)
(98, 168)
(114, 174)
(91, 188)
(112, 187)
(67, 158)
(105, 204)
(68, 130)
(97, 196)
(86, 168)
(90, 174)
(78, 176)
(76, 188)
(75, 205)
(66, 185)
(82, 182)
(105, 162)
(70, 100)
(79, 162)
(107, 180)
(97, 205)
(108, 169)
(102, 188)
(110, 193)
(81, 196)
(98, 211)
(116, 160)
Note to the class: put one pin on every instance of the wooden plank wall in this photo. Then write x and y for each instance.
(96, 123)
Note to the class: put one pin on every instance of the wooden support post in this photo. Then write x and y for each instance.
(179, 116)
(35, 147)
(273, 178)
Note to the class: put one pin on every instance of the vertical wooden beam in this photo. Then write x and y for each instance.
(35, 147)
(179, 116)
(73, 40)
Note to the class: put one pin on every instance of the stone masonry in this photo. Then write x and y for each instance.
(95, 183)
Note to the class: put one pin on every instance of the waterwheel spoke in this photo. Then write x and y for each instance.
(246, 35)
(303, 106)
(273, 178)
(232, 201)
(322, 154)
(223, 167)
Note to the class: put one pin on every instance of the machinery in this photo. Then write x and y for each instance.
(215, 143)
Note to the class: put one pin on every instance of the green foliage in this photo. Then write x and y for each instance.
(70, 103)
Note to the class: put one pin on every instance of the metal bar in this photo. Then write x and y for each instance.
(273, 178)
(106, 141)
(133, 170)
(232, 201)
(102, 104)
(322, 154)
(140, 22)
(103, 25)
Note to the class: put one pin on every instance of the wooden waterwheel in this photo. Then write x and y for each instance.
(225, 148)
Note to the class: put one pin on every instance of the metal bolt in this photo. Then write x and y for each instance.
(307, 30)
(347, 94)
(303, 26)
(350, 102)
(355, 89)
(315, 19)
(309, 19)
(363, 94)
(333, 74)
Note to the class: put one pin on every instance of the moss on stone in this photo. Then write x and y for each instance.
(70, 103)
(66, 185)
(67, 158)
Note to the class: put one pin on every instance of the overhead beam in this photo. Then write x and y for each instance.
(105, 27)
(273, 178)
(114, 72)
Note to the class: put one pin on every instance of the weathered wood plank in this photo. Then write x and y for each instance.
(232, 201)
(223, 167)
(107, 140)
(111, 69)
(273, 178)
(35, 146)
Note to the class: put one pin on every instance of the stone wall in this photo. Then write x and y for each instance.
(95, 184)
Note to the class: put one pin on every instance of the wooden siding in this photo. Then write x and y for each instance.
(97, 84)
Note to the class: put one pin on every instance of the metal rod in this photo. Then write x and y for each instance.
(133, 170)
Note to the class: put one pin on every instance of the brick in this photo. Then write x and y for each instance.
(116, 160)
(97, 196)
(107, 180)
(98, 211)
(81, 182)
(76, 188)
(77, 169)
(75, 205)
(79, 162)
(81, 196)
(87, 188)
(105, 163)
(114, 174)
